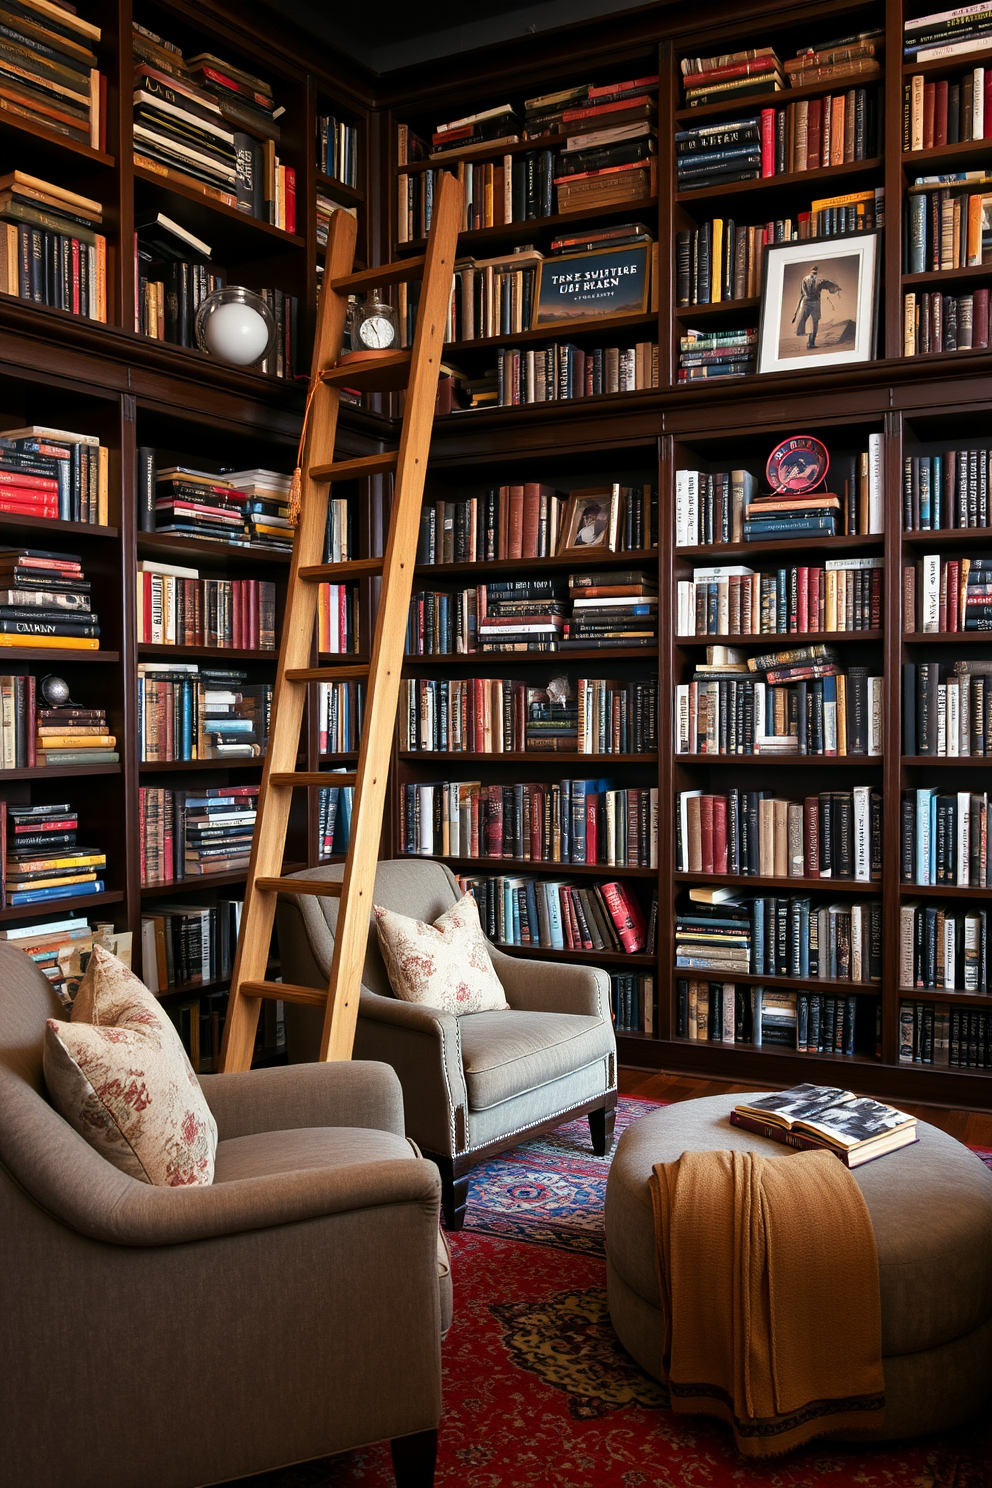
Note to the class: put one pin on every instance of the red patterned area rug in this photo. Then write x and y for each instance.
(538, 1391)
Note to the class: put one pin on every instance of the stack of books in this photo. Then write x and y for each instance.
(198, 503)
(943, 947)
(945, 113)
(949, 33)
(560, 916)
(731, 75)
(174, 277)
(265, 501)
(609, 155)
(208, 125)
(337, 149)
(953, 717)
(781, 514)
(945, 838)
(522, 615)
(42, 859)
(175, 607)
(50, 72)
(947, 594)
(54, 254)
(55, 945)
(947, 228)
(612, 609)
(474, 133)
(714, 937)
(74, 736)
(45, 601)
(520, 521)
(834, 61)
(187, 713)
(562, 371)
(584, 240)
(193, 833)
(946, 490)
(707, 354)
(234, 715)
(718, 154)
(54, 473)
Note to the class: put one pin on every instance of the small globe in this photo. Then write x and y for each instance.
(55, 691)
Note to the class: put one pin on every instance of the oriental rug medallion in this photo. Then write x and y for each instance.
(539, 1392)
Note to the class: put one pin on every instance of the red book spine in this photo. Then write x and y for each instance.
(940, 113)
(802, 600)
(626, 915)
(929, 97)
(536, 823)
(566, 918)
(39, 504)
(811, 836)
(28, 483)
(515, 527)
(343, 631)
(754, 68)
(494, 821)
(530, 521)
(953, 595)
(30, 699)
(474, 831)
(706, 833)
(592, 829)
(75, 276)
(478, 716)
(719, 834)
(290, 199)
(980, 306)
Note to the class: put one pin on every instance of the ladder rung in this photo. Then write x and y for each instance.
(327, 674)
(399, 272)
(313, 777)
(323, 888)
(285, 992)
(352, 568)
(342, 470)
(378, 375)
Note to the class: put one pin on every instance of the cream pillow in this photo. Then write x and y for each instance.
(118, 1073)
(445, 965)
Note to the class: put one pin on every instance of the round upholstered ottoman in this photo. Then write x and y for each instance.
(931, 1209)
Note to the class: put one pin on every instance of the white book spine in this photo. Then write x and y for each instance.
(953, 724)
(930, 593)
(876, 507)
(972, 948)
(729, 1012)
(907, 936)
(723, 607)
(857, 942)
(875, 715)
(942, 718)
(978, 104)
(686, 608)
(963, 845)
(653, 828)
(682, 718)
(862, 833)
(686, 508)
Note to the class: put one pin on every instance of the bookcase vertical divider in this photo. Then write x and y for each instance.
(128, 555)
(890, 305)
(892, 737)
(665, 938)
(668, 86)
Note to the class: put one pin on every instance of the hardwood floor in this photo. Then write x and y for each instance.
(972, 1127)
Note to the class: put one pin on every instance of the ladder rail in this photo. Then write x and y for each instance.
(289, 698)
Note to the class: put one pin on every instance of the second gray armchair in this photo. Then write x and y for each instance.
(474, 1085)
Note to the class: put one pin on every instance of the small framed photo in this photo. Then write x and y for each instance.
(593, 521)
(594, 285)
(819, 303)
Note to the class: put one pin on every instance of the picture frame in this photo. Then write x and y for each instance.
(596, 285)
(819, 303)
(593, 521)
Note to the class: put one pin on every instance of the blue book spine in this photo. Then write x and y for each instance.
(936, 492)
(141, 718)
(533, 923)
(64, 891)
(758, 936)
(925, 496)
(804, 938)
(578, 791)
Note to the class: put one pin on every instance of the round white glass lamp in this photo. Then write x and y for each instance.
(235, 325)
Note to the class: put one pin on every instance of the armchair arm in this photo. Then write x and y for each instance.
(302, 1095)
(424, 1048)
(553, 986)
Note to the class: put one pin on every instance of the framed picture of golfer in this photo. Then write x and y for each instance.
(593, 521)
(819, 303)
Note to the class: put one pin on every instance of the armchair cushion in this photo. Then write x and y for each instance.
(268, 1153)
(507, 1054)
(445, 965)
(119, 1074)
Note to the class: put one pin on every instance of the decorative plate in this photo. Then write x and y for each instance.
(798, 464)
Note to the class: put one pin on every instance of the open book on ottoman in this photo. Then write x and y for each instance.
(822, 1117)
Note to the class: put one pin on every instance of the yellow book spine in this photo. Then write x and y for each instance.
(716, 261)
(14, 887)
(67, 741)
(54, 643)
(94, 860)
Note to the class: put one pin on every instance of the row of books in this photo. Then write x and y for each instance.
(334, 807)
(175, 607)
(558, 915)
(49, 71)
(496, 715)
(340, 710)
(565, 821)
(944, 838)
(166, 311)
(728, 76)
(947, 594)
(492, 297)
(766, 936)
(949, 33)
(947, 229)
(809, 1022)
(946, 112)
(714, 507)
(51, 251)
(632, 1002)
(806, 135)
(189, 945)
(942, 948)
(212, 127)
(951, 718)
(238, 507)
(935, 322)
(337, 150)
(793, 702)
(946, 490)
(338, 619)
(60, 948)
(530, 615)
(193, 833)
(54, 473)
(41, 857)
(835, 834)
(45, 601)
(527, 521)
(844, 595)
(948, 1035)
(188, 712)
(561, 371)
(707, 354)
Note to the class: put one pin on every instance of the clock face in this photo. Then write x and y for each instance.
(376, 332)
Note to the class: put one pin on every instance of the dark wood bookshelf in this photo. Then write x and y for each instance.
(769, 99)
(829, 986)
(514, 867)
(965, 61)
(536, 658)
(350, 195)
(822, 176)
(716, 307)
(947, 637)
(54, 653)
(634, 557)
(856, 543)
(485, 239)
(947, 537)
(61, 906)
(200, 549)
(809, 761)
(158, 767)
(937, 277)
(787, 639)
(147, 648)
(768, 881)
(55, 527)
(556, 758)
(56, 772)
(601, 325)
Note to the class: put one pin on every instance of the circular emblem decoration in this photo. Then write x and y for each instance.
(798, 464)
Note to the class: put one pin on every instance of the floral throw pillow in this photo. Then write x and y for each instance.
(445, 965)
(118, 1073)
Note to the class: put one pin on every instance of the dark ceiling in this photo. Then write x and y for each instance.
(387, 34)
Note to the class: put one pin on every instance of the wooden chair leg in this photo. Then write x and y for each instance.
(415, 1459)
(601, 1124)
(454, 1199)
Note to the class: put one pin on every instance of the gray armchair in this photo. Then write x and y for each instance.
(474, 1085)
(185, 1336)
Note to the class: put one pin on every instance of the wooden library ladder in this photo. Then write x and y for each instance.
(417, 370)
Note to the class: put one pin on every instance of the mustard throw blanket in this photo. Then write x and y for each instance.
(769, 1280)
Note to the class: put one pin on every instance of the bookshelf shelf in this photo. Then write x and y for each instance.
(147, 648)
(349, 195)
(947, 537)
(45, 145)
(768, 99)
(202, 549)
(776, 1051)
(54, 527)
(965, 155)
(600, 325)
(857, 543)
(716, 307)
(492, 151)
(966, 61)
(784, 638)
(84, 902)
(947, 638)
(942, 891)
(803, 761)
(633, 558)
(829, 986)
(963, 761)
(930, 994)
(227, 230)
(611, 958)
(483, 240)
(536, 658)
(947, 276)
(157, 767)
(759, 881)
(57, 772)
(516, 866)
(850, 171)
(54, 653)
(555, 759)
